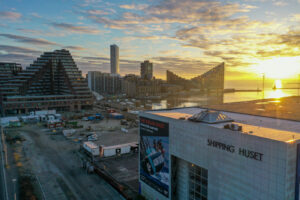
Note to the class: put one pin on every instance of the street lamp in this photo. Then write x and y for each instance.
(15, 195)
(263, 85)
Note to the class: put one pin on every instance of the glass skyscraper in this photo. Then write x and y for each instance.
(114, 59)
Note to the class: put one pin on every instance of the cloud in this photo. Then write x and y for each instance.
(23, 59)
(48, 32)
(10, 15)
(36, 15)
(295, 17)
(90, 2)
(193, 12)
(243, 50)
(209, 32)
(289, 39)
(23, 39)
(102, 64)
(96, 12)
(14, 49)
(221, 31)
(134, 6)
(280, 3)
(166, 52)
(10, 57)
(74, 48)
(105, 59)
(76, 29)
(166, 12)
(16, 54)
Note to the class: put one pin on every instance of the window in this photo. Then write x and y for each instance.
(197, 182)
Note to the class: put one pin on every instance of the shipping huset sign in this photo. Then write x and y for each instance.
(241, 151)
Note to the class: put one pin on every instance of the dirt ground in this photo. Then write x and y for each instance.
(108, 132)
(54, 161)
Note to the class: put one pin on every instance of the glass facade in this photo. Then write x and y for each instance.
(198, 180)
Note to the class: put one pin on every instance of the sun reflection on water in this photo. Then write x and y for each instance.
(277, 94)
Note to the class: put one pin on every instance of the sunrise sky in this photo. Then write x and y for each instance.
(185, 36)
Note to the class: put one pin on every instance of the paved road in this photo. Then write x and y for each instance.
(58, 168)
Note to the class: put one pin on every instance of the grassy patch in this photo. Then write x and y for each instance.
(26, 188)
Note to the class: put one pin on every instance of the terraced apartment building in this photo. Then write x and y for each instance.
(53, 81)
(211, 81)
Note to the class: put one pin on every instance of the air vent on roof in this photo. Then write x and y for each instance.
(233, 127)
(210, 117)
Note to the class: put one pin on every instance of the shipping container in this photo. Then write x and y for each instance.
(68, 132)
(99, 116)
(15, 123)
(91, 118)
(5, 121)
(91, 148)
(54, 124)
(30, 119)
(107, 151)
(116, 116)
(84, 119)
(111, 110)
(44, 112)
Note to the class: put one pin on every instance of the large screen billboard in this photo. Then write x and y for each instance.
(154, 154)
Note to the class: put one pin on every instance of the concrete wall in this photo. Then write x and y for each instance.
(230, 175)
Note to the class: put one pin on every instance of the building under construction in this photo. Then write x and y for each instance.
(53, 81)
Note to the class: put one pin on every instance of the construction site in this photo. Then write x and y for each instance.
(56, 142)
(73, 156)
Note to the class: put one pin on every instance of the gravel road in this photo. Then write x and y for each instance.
(54, 161)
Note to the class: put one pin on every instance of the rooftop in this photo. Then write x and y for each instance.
(280, 108)
(265, 127)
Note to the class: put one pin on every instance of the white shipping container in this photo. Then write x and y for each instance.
(45, 112)
(91, 148)
(4, 121)
(114, 150)
(41, 112)
(109, 152)
(69, 132)
(125, 149)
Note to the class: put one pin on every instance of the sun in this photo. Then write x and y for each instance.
(278, 84)
(279, 68)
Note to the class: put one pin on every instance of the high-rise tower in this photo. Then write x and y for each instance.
(114, 59)
(147, 70)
